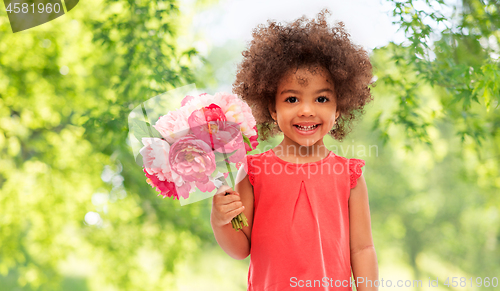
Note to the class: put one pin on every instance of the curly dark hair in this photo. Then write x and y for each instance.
(276, 49)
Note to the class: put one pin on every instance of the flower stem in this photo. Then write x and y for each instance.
(239, 221)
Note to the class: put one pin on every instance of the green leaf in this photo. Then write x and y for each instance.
(487, 99)
(214, 173)
(232, 172)
(223, 167)
(220, 157)
(247, 141)
(142, 129)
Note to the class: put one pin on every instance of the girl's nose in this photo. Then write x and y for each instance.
(306, 109)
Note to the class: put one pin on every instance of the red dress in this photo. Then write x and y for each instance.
(300, 234)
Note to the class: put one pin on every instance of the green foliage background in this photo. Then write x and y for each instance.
(430, 138)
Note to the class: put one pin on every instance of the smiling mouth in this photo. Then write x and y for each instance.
(306, 128)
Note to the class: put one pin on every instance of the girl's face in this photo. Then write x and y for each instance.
(306, 107)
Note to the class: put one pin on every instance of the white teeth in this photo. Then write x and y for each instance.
(306, 128)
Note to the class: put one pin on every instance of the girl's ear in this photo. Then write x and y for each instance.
(272, 111)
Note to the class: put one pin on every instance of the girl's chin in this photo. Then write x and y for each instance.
(304, 141)
(307, 141)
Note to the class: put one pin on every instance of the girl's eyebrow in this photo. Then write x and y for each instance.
(297, 92)
(289, 91)
(324, 90)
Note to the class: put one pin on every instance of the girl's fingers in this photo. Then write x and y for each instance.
(231, 214)
(223, 190)
(228, 200)
(227, 212)
(227, 208)
(222, 198)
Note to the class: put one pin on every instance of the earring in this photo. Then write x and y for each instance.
(275, 122)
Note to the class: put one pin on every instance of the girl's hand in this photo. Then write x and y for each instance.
(225, 207)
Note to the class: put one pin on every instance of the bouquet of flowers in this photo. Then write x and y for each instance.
(197, 146)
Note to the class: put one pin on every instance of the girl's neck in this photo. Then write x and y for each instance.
(292, 151)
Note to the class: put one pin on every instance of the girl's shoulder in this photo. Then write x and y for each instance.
(354, 167)
(355, 170)
(252, 162)
(258, 156)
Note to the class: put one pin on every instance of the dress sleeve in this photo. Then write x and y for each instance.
(249, 169)
(355, 170)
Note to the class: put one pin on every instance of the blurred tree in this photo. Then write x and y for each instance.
(72, 199)
(439, 96)
(459, 53)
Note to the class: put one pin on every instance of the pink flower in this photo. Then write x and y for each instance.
(209, 124)
(166, 189)
(205, 115)
(155, 158)
(253, 140)
(186, 100)
(192, 159)
(183, 191)
(230, 140)
(237, 111)
(206, 187)
(197, 102)
(174, 125)
(203, 124)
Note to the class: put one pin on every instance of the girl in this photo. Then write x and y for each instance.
(307, 208)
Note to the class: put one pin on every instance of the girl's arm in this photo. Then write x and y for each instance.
(363, 256)
(235, 243)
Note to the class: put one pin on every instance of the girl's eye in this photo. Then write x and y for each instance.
(323, 98)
